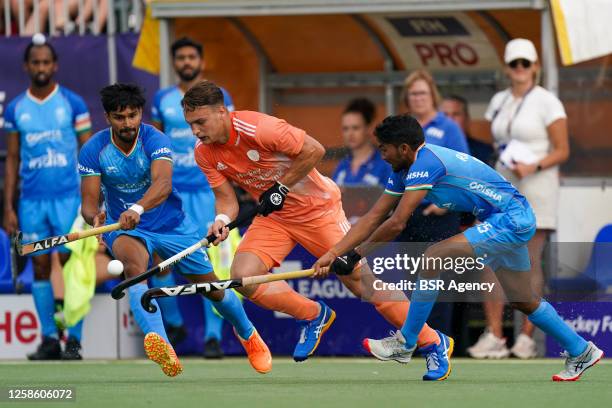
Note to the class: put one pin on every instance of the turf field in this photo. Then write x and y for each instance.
(321, 382)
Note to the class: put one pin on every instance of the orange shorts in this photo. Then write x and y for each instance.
(272, 240)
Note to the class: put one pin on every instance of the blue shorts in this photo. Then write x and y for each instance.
(39, 219)
(501, 239)
(168, 243)
(200, 205)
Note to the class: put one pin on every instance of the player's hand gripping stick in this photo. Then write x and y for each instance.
(118, 291)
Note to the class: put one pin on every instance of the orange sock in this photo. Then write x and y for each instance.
(396, 312)
(280, 297)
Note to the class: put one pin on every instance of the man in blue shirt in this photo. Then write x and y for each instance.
(44, 126)
(131, 163)
(458, 182)
(193, 188)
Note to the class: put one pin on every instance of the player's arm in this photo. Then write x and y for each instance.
(311, 153)
(90, 201)
(304, 161)
(226, 208)
(10, 182)
(157, 193)
(158, 125)
(84, 137)
(391, 228)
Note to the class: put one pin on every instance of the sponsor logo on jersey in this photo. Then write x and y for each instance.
(221, 166)
(160, 151)
(33, 138)
(417, 174)
(489, 192)
(84, 169)
(51, 159)
(132, 187)
(435, 132)
(462, 156)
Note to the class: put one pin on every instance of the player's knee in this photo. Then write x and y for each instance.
(131, 269)
(42, 267)
(215, 296)
(525, 307)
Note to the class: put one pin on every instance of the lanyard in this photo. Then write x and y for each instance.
(518, 108)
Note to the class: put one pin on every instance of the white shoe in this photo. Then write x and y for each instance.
(575, 366)
(489, 346)
(390, 348)
(524, 347)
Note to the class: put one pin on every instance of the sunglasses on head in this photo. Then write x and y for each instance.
(521, 61)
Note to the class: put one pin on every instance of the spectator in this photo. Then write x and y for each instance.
(535, 117)
(42, 126)
(456, 107)
(192, 185)
(364, 164)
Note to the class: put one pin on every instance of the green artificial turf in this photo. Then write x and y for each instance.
(320, 382)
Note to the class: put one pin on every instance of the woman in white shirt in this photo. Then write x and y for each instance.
(533, 119)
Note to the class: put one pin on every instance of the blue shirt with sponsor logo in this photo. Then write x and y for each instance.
(443, 131)
(125, 178)
(167, 110)
(374, 172)
(48, 131)
(456, 181)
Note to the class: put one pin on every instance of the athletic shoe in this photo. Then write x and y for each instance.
(524, 347)
(161, 352)
(390, 348)
(437, 358)
(212, 349)
(312, 331)
(176, 334)
(257, 352)
(575, 366)
(72, 351)
(49, 349)
(489, 346)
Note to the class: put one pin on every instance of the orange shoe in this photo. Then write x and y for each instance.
(258, 352)
(162, 353)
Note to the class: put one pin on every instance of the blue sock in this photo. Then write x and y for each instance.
(213, 323)
(546, 318)
(148, 322)
(168, 305)
(231, 309)
(42, 292)
(420, 307)
(76, 331)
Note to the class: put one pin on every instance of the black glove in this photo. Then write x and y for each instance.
(273, 199)
(344, 265)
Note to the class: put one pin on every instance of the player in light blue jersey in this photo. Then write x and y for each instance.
(459, 182)
(131, 164)
(44, 127)
(192, 185)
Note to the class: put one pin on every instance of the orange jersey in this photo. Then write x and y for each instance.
(259, 151)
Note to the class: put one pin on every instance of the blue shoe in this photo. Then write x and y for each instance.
(312, 331)
(437, 358)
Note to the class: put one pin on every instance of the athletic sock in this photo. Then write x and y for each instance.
(213, 323)
(148, 322)
(169, 305)
(280, 297)
(42, 292)
(420, 308)
(76, 331)
(546, 318)
(230, 307)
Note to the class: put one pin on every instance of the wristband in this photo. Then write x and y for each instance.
(137, 208)
(222, 217)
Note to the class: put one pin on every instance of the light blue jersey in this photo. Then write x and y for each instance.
(456, 181)
(459, 182)
(48, 131)
(125, 178)
(167, 110)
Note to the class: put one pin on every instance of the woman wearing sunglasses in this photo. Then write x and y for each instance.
(527, 115)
